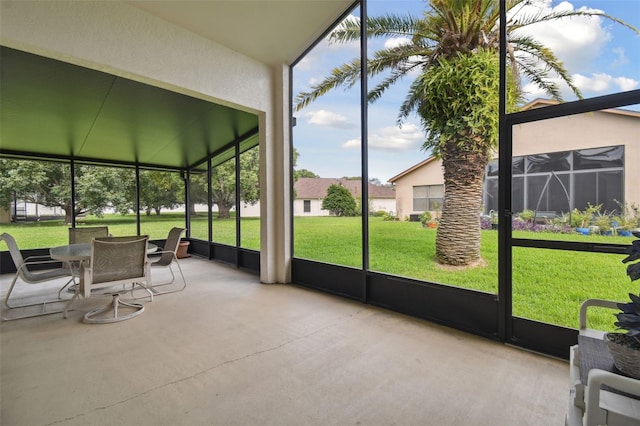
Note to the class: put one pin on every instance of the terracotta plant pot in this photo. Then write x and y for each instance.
(182, 250)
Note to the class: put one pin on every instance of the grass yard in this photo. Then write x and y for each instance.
(548, 285)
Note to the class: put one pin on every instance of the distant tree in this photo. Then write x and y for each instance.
(18, 178)
(49, 184)
(223, 187)
(160, 190)
(303, 173)
(197, 191)
(223, 182)
(339, 201)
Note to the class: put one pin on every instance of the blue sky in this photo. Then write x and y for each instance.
(602, 57)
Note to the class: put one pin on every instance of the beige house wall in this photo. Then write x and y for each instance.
(590, 130)
(428, 174)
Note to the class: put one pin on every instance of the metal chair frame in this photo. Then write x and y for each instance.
(99, 273)
(30, 277)
(168, 256)
(87, 233)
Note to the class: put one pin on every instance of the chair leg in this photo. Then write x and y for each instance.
(72, 280)
(184, 281)
(89, 317)
(6, 299)
(13, 283)
(70, 302)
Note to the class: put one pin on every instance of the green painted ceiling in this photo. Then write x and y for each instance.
(57, 109)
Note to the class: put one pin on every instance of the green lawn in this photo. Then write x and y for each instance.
(548, 285)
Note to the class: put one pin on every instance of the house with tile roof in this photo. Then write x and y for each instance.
(309, 193)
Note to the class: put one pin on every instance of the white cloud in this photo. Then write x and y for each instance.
(392, 138)
(328, 119)
(576, 41)
(395, 42)
(626, 84)
(603, 83)
(594, 85)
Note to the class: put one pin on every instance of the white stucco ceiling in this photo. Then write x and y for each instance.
(269, 31)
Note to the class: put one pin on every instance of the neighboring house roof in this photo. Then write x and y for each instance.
(411, 169)
(537, 103)
(316, 188)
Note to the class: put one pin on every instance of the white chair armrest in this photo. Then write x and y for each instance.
(601, 303)
(616, 404)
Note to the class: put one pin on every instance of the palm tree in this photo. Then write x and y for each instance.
(455, 49)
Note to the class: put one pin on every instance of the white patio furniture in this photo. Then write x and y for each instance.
(599, 394)
(49, 270)
(168, 257)
(114, 263)
(87, 233)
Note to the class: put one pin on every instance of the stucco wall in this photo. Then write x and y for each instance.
(428, 174)
(120, 39)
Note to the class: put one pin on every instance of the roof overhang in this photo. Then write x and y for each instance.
(270, 31)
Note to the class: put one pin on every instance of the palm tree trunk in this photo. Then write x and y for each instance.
(458, 235)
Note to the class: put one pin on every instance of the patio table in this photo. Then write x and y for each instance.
(80, 252)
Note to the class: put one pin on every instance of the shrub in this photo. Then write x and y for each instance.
(389, 217)
(527, 215)
(486, 223)
(339, 201)
(425, 217)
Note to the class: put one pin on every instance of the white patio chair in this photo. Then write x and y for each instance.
(115, 262)
(28, 276)
(167, 258)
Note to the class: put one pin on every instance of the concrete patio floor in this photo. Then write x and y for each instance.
(231, 351)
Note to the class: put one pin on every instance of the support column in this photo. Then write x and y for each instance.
(275, 184)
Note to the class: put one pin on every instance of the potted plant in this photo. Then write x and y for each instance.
(625, 347)
(603, 222)
(427, 220)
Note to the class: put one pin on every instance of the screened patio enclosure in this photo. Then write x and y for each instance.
(185, 87)
(82, 118)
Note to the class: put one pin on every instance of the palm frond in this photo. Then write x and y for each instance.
(384, 26)
(397, 74)
(527, 19)
(398, 59)
(526, 45)
(412, 100)
(345, 75)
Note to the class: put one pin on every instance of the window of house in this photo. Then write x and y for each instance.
(427, 197)
(307, 206)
